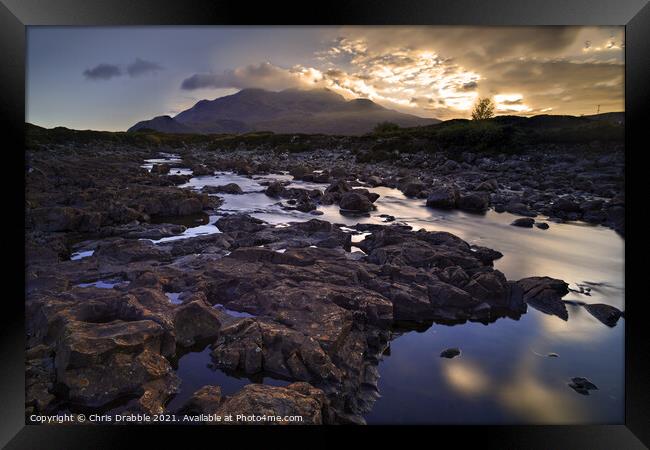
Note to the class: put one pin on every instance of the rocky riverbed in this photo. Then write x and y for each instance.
(304, 269)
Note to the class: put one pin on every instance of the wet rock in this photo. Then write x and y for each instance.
(449, 166)
(545, 294)
(160, 169)
(525, 222)
(297, 399)
(450, 353)
(566, 205)
(607, 314)
(474, 202)
(489, 286)
(542, 225)
(176, 179)
(592, 205)
(189, 206)
(353, 201)
(489, 186)
(201, 170)
(486, 255)
(582, 385)
(411, 187)
(168, 202)
(230, 188)
(240, 222)
(100, 362)
(299, 171)
(519, 209)
(374, 181)
(40, 379)
(443, 197)
(306, 205)
(253, 346)
(335, 191)
(206, 400)
(64, 219)
(129, 250)
(195, 322)
(275, 189)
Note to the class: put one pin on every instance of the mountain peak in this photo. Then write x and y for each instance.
(293, 110)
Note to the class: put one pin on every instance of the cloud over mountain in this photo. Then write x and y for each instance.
(263, 75)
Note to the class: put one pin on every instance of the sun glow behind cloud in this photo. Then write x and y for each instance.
(422, 78)
(429, 71)
(402, 77)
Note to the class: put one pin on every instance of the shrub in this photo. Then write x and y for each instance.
(385, 127)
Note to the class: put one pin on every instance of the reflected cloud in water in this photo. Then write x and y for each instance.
(466, 377)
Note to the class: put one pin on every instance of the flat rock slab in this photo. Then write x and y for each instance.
(450, 353)
(582, 385)
(607, 314)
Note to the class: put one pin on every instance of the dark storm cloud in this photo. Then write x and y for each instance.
(103, 72)
(142, 67)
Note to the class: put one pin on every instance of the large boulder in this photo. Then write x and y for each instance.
(101, 362)
(545, 294)
(335, 191)
(195, 322)
(301, 401)
(354, 201)
(240, 222)
(411, 187)
(252, 346)
(274, 189)
(567, 205)
(443, 198)
(474, 202)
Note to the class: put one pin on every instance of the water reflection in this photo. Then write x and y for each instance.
(195, 369)
(503, 375)
(466, 377)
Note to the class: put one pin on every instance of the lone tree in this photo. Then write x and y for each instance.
(484, 109)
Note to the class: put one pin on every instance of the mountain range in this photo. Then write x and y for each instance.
(289, 111)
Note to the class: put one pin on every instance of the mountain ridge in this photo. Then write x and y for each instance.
(309, 111)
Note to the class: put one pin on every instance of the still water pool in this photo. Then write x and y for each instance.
(504, 374)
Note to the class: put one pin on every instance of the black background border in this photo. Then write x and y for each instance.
(16, 14)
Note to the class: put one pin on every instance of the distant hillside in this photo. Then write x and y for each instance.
(290, 111)
(503, 134)
(162, 123)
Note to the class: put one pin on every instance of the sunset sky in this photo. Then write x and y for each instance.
(110, 78)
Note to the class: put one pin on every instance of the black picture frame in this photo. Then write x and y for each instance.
(15, 15)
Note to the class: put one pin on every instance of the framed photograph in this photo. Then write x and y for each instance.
(403, 218)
